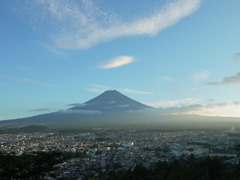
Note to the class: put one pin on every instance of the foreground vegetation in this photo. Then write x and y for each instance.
(207, 168)
(28, 166)
(37, 165)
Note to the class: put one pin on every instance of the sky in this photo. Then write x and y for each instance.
(179, 55)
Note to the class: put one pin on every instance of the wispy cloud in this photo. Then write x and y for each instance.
(29, 81)
(237, 56)
(210, 100)
(101, 88)
(235, 79)
(167, 78)
(127, 90)
(81, 24)
(53, 50)
(116, 62)
(200, 76)
(77, 104)
(96, 90)
(23, 68)
(217, 109)
(173, 102)
(39, 110)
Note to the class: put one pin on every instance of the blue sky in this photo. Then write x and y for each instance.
(174, 54)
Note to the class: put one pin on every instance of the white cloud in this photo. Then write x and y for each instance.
(117, 61)
(200, 76)
(99, 86)
(96, 90)
(173, 102)
(167, 78)
(127, 90)
(29, 81)
(82, 24)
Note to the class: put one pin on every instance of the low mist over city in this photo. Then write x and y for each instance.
(127, 90)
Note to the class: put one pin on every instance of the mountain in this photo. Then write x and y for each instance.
(110, 102)
(112, 109)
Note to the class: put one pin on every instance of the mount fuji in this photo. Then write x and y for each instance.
(110, 102)
(107, 108)
(111, 109)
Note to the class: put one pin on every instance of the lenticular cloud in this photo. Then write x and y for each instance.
(117, 61)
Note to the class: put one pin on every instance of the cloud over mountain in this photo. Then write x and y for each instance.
(39, 109)
(127, 90)
(173, 102)
(200, 109)
(97, 88)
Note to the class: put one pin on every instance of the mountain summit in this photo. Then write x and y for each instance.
(111, 101)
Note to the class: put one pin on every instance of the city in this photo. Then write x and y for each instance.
(99, 151)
